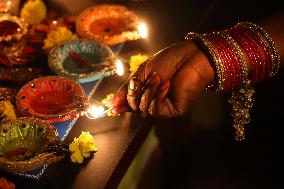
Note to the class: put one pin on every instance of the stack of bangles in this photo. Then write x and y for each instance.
(226, 51)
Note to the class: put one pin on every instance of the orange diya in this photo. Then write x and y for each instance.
(109, 23)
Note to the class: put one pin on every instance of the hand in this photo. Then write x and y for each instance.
(167, 83)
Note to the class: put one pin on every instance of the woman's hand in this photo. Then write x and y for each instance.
(167, 83)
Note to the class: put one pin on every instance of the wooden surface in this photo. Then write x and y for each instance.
(118, 139)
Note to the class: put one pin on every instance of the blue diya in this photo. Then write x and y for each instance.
(83, 60)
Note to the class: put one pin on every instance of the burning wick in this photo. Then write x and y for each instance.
(8, 3)
(143, 31)
(119, 68)
(54, 22)
(95, 111)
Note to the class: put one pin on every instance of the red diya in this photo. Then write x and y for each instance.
(19, 52)
(109, 23)
(52, 98)
(11, 27)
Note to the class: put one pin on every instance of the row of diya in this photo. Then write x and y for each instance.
(23, 46)
(31, 141)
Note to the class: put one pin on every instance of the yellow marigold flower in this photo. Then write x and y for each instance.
(7, 111)
(106, 100)
(33, 11)
(77, 157)
(81, 147)
(135, 61)
(58, 36)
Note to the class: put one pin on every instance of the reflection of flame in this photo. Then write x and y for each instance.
(96, 111)
(143, 31)
(119, 68)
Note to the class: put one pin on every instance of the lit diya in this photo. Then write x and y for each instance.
(83, 60)
(28, 143)
(11, 27)
(109, 23)
(52, 98)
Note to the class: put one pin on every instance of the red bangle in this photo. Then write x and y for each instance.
(253, 50)
(229, 60)
(257, 50)
(269, 46)
(268, 63)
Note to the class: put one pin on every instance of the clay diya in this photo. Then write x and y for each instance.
(28, 143)
(11, 27)
(52, 98)
(109, 23)
(83, 60)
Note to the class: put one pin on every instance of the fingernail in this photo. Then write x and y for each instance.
(155, 79)
(165, 86)
(132, 83)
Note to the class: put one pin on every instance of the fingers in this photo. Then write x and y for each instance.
(158, 105)
(149, 92)
(139, 96)
(134, 93)
(129, 91)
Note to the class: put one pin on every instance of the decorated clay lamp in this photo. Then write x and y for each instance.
(28, 143)
(11, 27)
(52, 98)
(109, 23)
(83, 60)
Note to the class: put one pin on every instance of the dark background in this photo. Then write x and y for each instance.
(199, 151)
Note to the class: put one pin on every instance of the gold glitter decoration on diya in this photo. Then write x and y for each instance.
(12, 27)
(109, 23)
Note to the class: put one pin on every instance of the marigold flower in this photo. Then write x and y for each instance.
(58, 36)
(33, 11)
(135, 61)
(7, 111)
(82, 147)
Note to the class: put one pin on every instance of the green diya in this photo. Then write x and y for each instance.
(28, 143)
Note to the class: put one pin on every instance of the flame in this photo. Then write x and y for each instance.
(96, 111)
(143, 31)
(119, 67)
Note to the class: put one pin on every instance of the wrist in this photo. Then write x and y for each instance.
(199, 62)
(205, 69)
